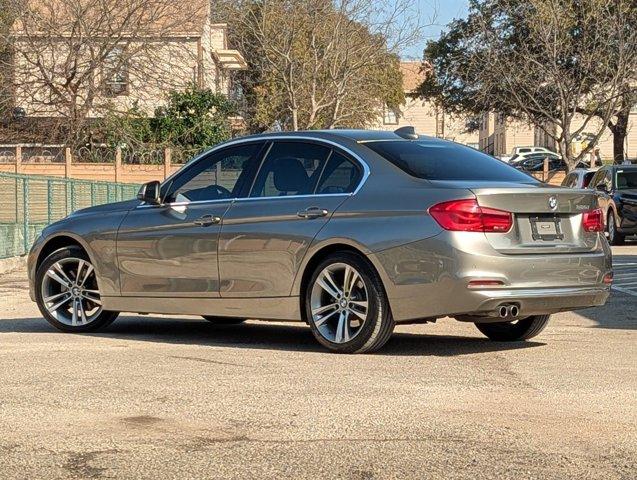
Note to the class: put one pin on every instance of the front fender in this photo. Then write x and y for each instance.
(96, 234)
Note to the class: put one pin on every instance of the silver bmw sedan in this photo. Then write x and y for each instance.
(350, 231)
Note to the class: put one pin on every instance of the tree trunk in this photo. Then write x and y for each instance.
(620, 130)
(566, 149)
(295, 119)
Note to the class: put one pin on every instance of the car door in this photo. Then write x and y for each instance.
(264, 237)
(171, 249)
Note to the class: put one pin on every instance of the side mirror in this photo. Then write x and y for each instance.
(149, 193)
(601, 188)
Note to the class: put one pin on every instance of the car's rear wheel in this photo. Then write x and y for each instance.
(614, 237)
(67, 292)
(346, 305)
(224, 320)
(516, 330)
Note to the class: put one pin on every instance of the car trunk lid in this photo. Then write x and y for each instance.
(544, 218)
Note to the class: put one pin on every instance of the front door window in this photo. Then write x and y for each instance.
(222, 175)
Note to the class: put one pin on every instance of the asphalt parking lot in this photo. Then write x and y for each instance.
(162, 397)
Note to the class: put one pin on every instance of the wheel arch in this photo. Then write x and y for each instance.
(56, 242)
(318, 254)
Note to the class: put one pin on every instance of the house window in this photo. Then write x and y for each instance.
(390, 116)
(116, 73)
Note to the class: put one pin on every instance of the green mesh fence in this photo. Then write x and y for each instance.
(29, 203)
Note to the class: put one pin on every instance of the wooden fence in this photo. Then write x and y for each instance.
(116, 171)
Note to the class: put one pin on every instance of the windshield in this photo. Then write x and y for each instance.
(626, 179)
(446, 161)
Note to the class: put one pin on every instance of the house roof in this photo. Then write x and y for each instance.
(413, 74)
(141, 18)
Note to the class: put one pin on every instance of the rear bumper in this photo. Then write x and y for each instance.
(537, 301)
(430, 278)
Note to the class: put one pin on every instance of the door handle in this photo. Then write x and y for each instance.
(207, 220)
(312, 212)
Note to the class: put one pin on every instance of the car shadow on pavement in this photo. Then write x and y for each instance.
(619, 312)
(265, 336)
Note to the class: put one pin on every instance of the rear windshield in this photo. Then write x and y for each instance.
(446, 161)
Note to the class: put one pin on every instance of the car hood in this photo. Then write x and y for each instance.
(108, 207)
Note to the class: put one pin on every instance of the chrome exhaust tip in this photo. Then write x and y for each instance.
(514, 311)
(503, 311)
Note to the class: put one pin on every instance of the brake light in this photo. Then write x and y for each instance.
(593, 220)
(468, 216)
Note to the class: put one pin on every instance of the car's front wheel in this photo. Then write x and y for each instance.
(515, 330)
(346, 305)
(67, 292)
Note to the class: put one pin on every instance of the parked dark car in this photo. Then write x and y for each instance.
(616, 186)
(535, 162)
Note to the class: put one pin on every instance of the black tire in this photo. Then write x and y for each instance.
(102, 320)
(224, 320)
(515, 331)
(379, 324)
(614, 237)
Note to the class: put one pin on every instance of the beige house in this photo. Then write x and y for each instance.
(500, 135)
(425, 117)
(179, 45)
(486, 137)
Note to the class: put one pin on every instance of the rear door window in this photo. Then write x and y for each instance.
(340, 175)
(290, 168)
(587, 179)
(446, 161)
(595, 179)
(570, 180)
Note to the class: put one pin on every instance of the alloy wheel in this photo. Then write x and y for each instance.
(70, 293)
(339, 303)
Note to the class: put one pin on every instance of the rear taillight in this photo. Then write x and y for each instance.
(593, 220)
(468, 216)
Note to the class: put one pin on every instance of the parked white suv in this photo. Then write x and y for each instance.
(523, 151)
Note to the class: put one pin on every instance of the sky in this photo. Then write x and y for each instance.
(445, 11)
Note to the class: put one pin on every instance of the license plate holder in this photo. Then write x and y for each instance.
(546, 228)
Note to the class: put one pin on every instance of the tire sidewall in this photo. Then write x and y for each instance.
(375, 298)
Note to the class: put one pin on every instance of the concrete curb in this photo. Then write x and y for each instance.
(13, 263)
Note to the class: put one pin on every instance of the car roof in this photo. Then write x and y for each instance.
(359, 136)
(616, 167)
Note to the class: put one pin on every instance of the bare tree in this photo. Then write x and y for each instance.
(561, 65)
(8, 11)
(323, 63)
(76, 59)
